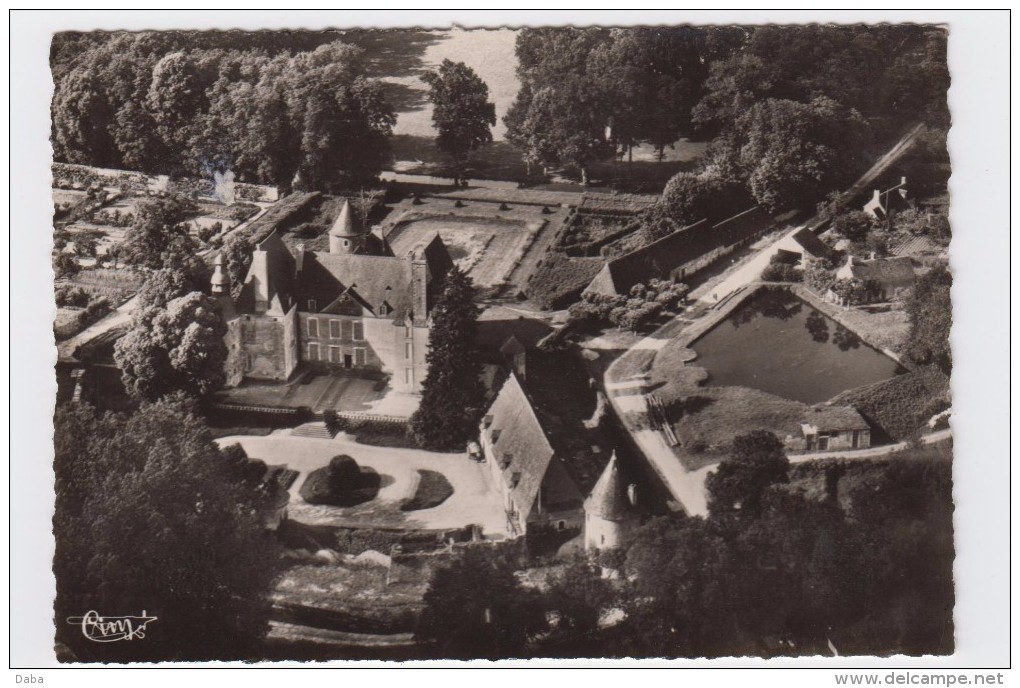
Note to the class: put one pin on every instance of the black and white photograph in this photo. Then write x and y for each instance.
(545, 342)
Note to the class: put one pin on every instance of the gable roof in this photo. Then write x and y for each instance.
(837, 418)
(659, 259)
(523, 451)
(368, 281)
(811, 244)
(512, 346)
(608, 499)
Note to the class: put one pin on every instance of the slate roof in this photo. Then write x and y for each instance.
(838, 418)
(608, 499)
(339, 283)
(811, 244)
(661, 258)
(524, 455)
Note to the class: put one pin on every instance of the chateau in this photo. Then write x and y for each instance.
(357, 307)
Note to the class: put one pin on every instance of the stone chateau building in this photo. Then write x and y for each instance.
(357, 307)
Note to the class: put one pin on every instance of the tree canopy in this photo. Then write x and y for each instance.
(452, 396)
(170, 103)
(930, 311)
(151, 517)
(461, 111)
(178, 348)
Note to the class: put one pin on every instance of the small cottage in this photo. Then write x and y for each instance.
(828, 428)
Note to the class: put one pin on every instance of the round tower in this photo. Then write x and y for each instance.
(609, 518)
(220, 281)
(344, 236)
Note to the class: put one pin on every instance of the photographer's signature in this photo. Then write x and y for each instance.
(108, 629)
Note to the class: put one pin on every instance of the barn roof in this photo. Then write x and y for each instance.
(660, 258)
(838, 418)
(524, 454)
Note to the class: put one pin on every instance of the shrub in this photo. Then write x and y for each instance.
(433, 489)
(341, 483)
(71, 295)
(781, 272)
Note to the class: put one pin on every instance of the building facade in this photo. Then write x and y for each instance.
(356, 308)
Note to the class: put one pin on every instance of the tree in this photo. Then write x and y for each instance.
(854, 225)
(461, 111)
(452, 396)
(158, 224)
(579, 596)
(681, 601)
(163, 286)
(757, 460)
(237, 254)
(476, 609)
(180, 348)
(930, 312)
(65, 265)
(150, 518)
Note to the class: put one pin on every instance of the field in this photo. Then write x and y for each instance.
(117, 285)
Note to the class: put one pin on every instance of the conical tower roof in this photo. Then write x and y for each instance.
(608, 499)
(344, 225)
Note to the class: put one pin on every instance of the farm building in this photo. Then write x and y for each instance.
(804, 245)
(536, 489)
(827, 428)
(680, 254)
(356, 307)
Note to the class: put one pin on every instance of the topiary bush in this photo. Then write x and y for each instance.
(341, 483)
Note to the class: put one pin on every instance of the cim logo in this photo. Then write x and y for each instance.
(110, 629)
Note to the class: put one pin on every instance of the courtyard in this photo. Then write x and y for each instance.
(474, 501)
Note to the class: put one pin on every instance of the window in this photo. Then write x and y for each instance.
(334, 354)
(407, 332)
(384, 309)
(312, 306)
(313, 327)
(359, 357)
(313, 351)
(250, 333)
(407, 350)
(359, 331)
(247, 362)
(334, 329)
(409, 376)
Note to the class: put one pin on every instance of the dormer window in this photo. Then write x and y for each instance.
(384, 309)
(507, 459)
(312, 305)
(495, 435)
(515, 479)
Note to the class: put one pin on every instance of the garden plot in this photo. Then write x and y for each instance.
(487, 248)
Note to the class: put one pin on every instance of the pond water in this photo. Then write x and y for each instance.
(779, 344)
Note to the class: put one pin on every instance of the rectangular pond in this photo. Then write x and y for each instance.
(779, 344)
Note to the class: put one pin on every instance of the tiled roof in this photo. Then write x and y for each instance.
(368, 280)
(811, 244)
(524, 454)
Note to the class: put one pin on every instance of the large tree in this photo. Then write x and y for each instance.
(757, 460)
(176, 349)
(461, 111)
(475, 608)
(158, 228)
(150, 517)
(452, 397)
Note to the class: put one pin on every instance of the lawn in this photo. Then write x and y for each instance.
(433, 489)
(315, 391)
